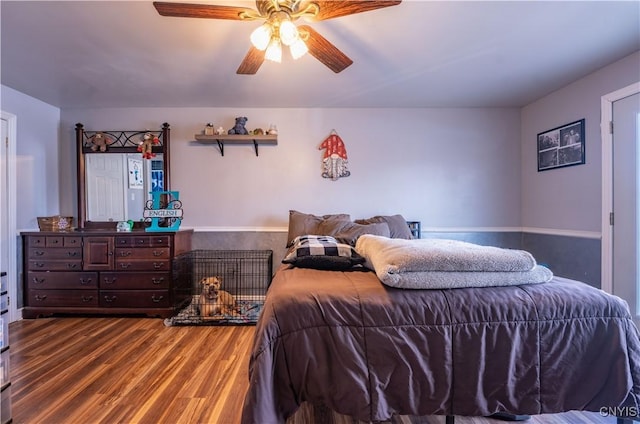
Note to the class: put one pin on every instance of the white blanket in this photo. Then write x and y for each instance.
(437, 263)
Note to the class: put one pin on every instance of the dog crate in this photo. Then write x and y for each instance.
(244, 277)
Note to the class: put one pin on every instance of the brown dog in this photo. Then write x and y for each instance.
(215, 302)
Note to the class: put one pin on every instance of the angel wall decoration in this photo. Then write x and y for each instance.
(334, 161)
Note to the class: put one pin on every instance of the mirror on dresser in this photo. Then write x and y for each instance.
(115, 177)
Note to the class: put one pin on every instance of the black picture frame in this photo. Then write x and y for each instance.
(561, 146)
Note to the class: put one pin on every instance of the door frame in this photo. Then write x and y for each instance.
(12, 231)
(606, 123)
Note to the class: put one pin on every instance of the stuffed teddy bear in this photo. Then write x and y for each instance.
(99, 141)
(146, 145)
(239, 128)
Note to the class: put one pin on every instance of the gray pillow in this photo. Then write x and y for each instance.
(398, 226)
(304, 223)
(349, 233)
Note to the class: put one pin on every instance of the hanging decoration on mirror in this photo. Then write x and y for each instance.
(334, 161)
(164, 211)
(146, 145)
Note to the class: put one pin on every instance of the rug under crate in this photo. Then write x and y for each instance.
(249, 311)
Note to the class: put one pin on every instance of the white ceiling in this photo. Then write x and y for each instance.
(75, 54)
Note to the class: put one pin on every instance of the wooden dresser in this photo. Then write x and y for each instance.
(102, 272)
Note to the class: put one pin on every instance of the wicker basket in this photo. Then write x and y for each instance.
(55, 223)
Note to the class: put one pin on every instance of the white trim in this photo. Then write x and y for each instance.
(567, 233)
(240, 229)
(606, 116)
(550, 231)
(12, 270)
(471, 229)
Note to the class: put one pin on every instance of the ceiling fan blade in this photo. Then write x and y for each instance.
(251, 62)
(186, 10)
(334, 9)
(324, 51)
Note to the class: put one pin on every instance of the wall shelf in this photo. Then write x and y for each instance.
(223, 139)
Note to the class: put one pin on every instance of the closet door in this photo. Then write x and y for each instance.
(626, 201)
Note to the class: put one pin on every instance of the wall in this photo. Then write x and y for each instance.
(37, 154)
(570, 198)
(562, 208)
(444, 167)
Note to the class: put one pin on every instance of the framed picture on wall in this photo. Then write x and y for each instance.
(561, 146)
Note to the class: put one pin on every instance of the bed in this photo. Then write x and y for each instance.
(345, 340)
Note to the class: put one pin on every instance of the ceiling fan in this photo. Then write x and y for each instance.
(278, 28)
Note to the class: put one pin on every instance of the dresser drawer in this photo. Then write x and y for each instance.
(62, 280)
(126, 280)
(62, 253)
(54, 265)
(134, 299)
(62, 298)
(142, 265)
(143, 253)
(143, 241)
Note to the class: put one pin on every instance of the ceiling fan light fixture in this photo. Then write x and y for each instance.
(298, 49)
(261, 36)
(274, 51)
(288, 32)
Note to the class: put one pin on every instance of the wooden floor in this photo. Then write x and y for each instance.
(136, 370)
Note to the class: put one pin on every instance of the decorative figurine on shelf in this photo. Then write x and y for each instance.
(208, 129)
(146, 145)
(334, 162)
(99, 141)
(219, 131)
(239, 128)
(273, 130)
(258, 131)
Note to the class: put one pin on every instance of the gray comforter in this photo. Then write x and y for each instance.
(345, 340)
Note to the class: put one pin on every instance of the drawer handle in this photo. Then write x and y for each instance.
(110, 281)
(85, 281)
(39, 252)
(125, 253)
(87, 298)
(72, 253)
(158, 265)
(55, 241)
(37, 280)
(125, 265)
(140, 241)
(39, 264)
(41, 297)
(72, 266)
(110, 299)
(156, 299)
(157, 280)
(158, 252)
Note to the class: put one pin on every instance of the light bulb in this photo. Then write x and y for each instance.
(274, 51)
(298, 49)
(261, 36)
(288, 32)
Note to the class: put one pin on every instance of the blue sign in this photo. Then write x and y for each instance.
(170, 212)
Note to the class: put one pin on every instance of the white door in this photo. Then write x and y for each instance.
(8, 233)
(626, 201)
(105, 182)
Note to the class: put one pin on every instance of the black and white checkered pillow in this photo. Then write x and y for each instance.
(322, 252)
